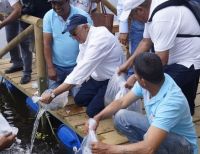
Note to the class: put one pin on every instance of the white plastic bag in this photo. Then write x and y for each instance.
(5, 127)
(58, 102)
(115, 88)
(91, 137)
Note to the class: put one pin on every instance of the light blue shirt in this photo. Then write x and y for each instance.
(169, 110)
(64, 48)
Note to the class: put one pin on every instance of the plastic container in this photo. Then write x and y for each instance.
(68, 137)
(33, 106)
(9, 86)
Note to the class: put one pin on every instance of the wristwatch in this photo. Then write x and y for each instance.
(53, 95)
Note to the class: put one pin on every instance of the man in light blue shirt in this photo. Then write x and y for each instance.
(60, 49)
(166, 128)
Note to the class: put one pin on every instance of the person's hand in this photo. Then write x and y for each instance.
(86, 129)
(123, 68)
(102, 148)
(52, 73)
(123, 38)
(7, 140)
(46, 98)
(130, 81)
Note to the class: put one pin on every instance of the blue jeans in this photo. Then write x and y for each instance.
(62, 73)
(134, 125)
(91, 94)
(12, 31)
(135, 36)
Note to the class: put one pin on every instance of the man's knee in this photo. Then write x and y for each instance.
(79, 100)
(118, 118)
(93, 109)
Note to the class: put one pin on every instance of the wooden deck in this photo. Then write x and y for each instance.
(74, 116)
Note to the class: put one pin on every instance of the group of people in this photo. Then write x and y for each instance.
(79, 55)
(167, 126)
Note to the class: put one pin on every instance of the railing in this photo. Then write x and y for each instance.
(36, 28)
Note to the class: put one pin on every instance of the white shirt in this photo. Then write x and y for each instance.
(123, 25)
(99, 57)
(166, 24)
(6, 5)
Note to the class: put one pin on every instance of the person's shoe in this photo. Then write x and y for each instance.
(13, 69)
(25, 79)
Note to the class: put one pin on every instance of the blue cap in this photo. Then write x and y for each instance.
(75, 21)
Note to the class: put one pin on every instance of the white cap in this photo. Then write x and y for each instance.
(128, 5)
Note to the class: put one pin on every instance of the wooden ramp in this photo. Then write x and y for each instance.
(74, 116)
(71, 115)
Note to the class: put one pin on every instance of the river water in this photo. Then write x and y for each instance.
(18, 115)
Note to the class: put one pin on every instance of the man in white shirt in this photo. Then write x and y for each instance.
(180, 56)
(100, 54)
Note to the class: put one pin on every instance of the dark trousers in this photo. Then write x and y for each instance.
(91, 94)
(187, 79)
(12, 30)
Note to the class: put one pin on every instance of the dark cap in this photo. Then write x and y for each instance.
(54, 0)
(75, 21)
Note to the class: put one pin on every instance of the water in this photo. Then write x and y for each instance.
(18, 115)
(35, 127)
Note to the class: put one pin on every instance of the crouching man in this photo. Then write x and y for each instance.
(166, 128)
(100, 54)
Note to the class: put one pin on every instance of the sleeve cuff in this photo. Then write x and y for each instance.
(123, 27)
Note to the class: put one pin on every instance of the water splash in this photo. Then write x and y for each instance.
(35, 126)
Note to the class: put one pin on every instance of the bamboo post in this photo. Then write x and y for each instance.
(14, 42)
(40, 61)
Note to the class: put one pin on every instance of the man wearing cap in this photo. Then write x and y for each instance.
(167, 127)
(60, 50)
(100, 54)
(180, 55)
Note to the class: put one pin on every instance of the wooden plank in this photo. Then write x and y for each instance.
(77, 120)
(30, 85)
(105, 126)
(196, 116)
(5, 66)
(4, 61)
(70, 110)
(198, 90)
(112, 138)
(197, 126)
(29, 91)
(197, 100)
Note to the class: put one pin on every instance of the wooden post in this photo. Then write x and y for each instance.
(14, 42)
(110, 6)
(40, 64)
(40, 61)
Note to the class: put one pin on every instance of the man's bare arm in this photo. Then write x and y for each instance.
(14, 15)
